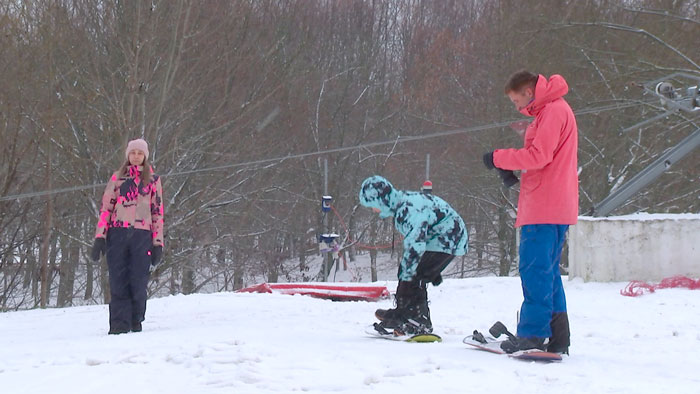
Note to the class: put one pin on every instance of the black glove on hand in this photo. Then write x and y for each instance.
(488, 160)
(509, 178)
(156, 255)
(98, 248)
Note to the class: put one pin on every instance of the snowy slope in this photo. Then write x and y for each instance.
(266, 343)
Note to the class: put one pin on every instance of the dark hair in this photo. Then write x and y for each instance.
(145, 173)
(521, 79)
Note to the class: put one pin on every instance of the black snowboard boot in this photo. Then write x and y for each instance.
(517, 344)
(392, 318)
(411, 315)
(417, 320)
(417, 315)
(559, 341)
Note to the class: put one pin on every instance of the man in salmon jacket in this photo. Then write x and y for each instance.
(547, 205)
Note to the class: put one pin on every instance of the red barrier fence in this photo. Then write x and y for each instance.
(335, 291)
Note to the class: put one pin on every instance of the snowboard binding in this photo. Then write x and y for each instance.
(498, 329)
(479, 337)
(398, 334)
(416, 326)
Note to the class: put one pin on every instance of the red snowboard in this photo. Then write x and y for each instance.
(493, 345)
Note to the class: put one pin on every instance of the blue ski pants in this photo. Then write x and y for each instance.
(540, 253)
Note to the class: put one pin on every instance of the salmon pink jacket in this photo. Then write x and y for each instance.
(129, 204)
(548, 160)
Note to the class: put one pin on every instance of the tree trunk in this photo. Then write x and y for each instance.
(503, 241)
(67, 274)
(45, 244)
(303, 268)
(237, 274)
(273, 271)
(373, 252)
(188, 279)
(29, 266)
(104, 281)
(89, 279)
(174, 288)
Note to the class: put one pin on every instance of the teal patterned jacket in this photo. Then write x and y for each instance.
(427, 222)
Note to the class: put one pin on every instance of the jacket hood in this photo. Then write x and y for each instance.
(546, 91)
(377, 192)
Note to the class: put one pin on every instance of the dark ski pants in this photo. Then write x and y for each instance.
(429, 268)
(431, 265)
(540, 253)
(128, 260)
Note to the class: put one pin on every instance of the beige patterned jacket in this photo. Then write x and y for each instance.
(129, 204)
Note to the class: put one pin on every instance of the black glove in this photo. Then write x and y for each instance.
(98, 249)
(488, 160)
(437, 280)
(509, 178)
(156, 255)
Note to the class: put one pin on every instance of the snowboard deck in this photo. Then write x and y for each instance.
(420, 338)
(493, 345)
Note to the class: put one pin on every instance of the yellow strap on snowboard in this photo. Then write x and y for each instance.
(424, 338)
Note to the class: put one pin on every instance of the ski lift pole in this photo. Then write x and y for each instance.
(327, 257)
(427, 187)
(327, 241)
(427, 166)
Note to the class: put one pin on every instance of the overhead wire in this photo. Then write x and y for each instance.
(398, 139)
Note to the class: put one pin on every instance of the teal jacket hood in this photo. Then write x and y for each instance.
(378, 192)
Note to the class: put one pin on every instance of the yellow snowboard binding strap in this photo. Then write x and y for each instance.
(424, 338)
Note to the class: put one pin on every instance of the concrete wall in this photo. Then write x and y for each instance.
(646, 247)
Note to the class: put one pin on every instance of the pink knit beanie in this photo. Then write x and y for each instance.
(137, 144)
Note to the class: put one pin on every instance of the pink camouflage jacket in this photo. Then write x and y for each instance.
(126, 203)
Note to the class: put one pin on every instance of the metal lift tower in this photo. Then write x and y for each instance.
(675, 100)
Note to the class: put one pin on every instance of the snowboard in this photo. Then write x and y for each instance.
(376, 331)
(493, 345)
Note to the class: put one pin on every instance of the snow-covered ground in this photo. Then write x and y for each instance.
(269, 343)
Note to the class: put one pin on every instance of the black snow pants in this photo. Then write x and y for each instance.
(431, 265)
(428, 271)
(128, 260)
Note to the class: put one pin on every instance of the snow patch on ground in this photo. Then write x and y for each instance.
(271, 343)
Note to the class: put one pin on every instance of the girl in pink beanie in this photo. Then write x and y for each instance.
(130, 233)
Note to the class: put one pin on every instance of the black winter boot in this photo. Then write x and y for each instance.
(117, 331)
(560, 340)
(517, 344)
